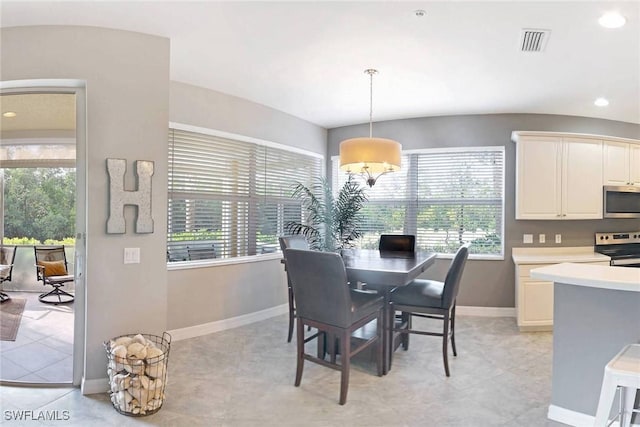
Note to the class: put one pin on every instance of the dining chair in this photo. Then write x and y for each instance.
(435, 300)
(325, 301)
(405, 243)
(52, 270)
(291, 242)
(397, 243)
(7, 258)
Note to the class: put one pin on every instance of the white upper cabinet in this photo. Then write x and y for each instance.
(621, 162)
(558, 177)
(581, 179)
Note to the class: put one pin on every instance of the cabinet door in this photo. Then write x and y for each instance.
(538, 178)
(616, 163)
(634, 164)
(538, 306)
(582, 179)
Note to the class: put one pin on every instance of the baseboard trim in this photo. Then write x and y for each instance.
(100, 385)
(222, 325)
(486, 311)
(576, 419)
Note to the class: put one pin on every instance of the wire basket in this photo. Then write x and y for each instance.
(137, 370)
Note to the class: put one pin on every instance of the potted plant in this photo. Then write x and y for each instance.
(331, 223)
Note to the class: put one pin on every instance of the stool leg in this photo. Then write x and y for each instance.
(628, 397)
(607, 394)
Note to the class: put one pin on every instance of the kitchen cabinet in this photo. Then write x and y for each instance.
(558, 177)
(534, 297)
(621, 162)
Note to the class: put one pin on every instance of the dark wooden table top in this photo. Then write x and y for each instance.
(386, 268)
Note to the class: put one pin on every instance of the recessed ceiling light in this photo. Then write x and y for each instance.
(612, 20)
(601, 102)
(9, 114)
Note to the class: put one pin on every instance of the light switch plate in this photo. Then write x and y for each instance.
(527, 238)
(542, 238)
(132, 255)
(558, 238)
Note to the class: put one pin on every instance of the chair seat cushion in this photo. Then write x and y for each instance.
(364, 303)
(53, 268)
(422, 293)
(59, 279)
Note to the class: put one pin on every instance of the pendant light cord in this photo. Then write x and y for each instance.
(371, 72)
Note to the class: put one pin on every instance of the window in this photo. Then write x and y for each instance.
(442, 196)
(230, 196)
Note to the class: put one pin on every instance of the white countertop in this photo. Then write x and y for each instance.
(594, 276)
(556, 255)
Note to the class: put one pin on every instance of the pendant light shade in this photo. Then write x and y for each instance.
(368, 156)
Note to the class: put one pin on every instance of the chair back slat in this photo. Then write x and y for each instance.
(293, 242)
(320, 287)
(397, 243)
(7, 257)
(452, 281)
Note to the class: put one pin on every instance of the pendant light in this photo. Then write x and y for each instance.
(368, 156)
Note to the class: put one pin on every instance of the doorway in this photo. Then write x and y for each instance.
(42, 187)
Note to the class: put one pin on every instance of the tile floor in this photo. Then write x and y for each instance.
(42, 351)
(244, 377)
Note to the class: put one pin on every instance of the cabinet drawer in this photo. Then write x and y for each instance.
(524, 270)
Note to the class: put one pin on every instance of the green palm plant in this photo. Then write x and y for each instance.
(330, 223)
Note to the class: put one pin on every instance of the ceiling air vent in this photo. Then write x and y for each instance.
(533, 40)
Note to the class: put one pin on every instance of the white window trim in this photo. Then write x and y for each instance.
(498, 148)
(186, 265)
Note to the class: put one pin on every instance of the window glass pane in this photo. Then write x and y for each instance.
(230, 198)
(444, 197)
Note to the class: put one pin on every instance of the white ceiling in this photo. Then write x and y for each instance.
(308, 58)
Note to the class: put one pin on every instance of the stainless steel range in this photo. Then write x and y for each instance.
(623, 248)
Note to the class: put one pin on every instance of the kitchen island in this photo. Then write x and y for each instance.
(596, 313)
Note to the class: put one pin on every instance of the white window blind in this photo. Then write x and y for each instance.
(230, 198)
(443, 197)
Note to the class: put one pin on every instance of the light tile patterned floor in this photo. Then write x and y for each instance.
(244, 377)
(42, 351)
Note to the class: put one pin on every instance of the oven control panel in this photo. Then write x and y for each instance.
(617, 238)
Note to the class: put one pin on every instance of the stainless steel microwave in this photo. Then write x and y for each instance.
(621, 201)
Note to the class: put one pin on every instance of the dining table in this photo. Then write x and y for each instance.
(385, 271)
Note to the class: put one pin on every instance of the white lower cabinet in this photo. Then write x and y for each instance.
(534, 299)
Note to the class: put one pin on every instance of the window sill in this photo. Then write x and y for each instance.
(186, 265)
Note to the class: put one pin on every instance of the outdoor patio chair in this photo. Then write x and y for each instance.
(7, 258)
(52, 270)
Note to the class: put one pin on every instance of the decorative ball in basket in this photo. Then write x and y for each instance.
(137, 370)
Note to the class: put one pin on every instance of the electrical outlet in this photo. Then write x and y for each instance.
(542, 238)
(558, 238)
(527, 238)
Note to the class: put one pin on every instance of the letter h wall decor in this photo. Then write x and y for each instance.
(119, 197)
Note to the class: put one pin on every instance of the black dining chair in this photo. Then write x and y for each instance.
(291, 242)
(397, 243)
(405, 243)
(435, 300)
(325, 301)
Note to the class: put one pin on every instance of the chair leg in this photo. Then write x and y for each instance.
(445, 339)
(406, 319)
(291, 317)
(300, 348)
(453, 330)
(345, 357)
(607, 394)
(379, 349)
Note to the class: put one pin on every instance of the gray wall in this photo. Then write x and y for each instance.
(127, 98)
(491, 283)
(209, 294)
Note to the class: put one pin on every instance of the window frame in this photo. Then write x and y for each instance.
(440, 150)
(181, 265)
